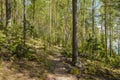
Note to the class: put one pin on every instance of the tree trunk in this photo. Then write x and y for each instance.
(82, 25)
(66, 25)
(24, 22)
(33, 17)
(50, 24)
(74, 38)
(14, 13)
(33, 10)
(1, 17)
(93, 20)
(111, 28)
(118, 46)
(102, 32)
(105, 25)
(110, 37)
(8, 12)
(84, 18)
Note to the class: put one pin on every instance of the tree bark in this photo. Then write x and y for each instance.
(8, 12)
(105, 25)
(1, 17)
(93, 20)
(118, 46)
(111, 28)
(1, 6)
(50, 23)
(74, 38)
(24, 22)
(110, 37)
(82, 25)
(33, 9)
(15, 8)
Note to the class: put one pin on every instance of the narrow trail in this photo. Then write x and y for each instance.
(59, 69)
(7, 72)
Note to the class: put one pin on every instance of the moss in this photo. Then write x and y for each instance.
(75, 71)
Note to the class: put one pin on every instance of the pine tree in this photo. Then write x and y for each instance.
(74, 39)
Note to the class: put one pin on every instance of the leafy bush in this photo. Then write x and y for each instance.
(12, 41)
(66, 53)
(94, 46)
(2, 37)
(75, 71)
(14, 37)
(115, 62)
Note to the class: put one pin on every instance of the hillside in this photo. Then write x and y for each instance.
(55, 66)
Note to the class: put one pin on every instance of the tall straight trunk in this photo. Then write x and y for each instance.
(93, 20)
(74, 38)
(33, 17)
(8, 12)
(102, 36)
(110, 37)
(85, 20)
(50, 24)
(84, 4)
(15, 8)
(118, 46)
(65, 25)
(93, 25)
(102, 33)
(33, 10)
(105, 25)
(82, 25)
(54, 21)
(1, 8)
(24, 22)
(1, 17)
(111, 28)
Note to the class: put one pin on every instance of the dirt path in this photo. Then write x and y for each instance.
(59, 70)
(30, 70)
(7, 72)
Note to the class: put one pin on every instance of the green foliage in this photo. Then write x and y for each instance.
(14, 37)
(2, 37)
(113, 61)
(66, 53)
(27, 53)
(75, 71)
(13, 42)
(51, 21)
(93, 46)
(1, 26)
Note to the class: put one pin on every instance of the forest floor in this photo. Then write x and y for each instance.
(54, 66)
(90, 70)
(59, 69)
(17, 71)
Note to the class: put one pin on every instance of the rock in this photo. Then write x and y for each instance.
(66, 78)
(59, 77)
(78, 64)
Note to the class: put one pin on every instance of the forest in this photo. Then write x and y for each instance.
(59, 39)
